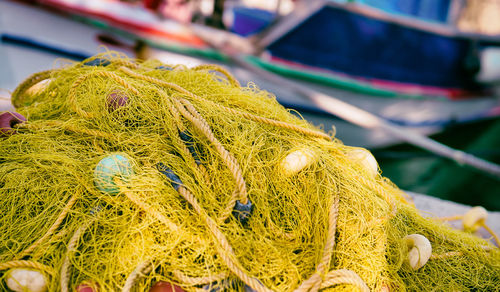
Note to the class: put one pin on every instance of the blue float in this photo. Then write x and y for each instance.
(175, 181)
(108, 169)
(164, 68)
(97, 62)
(243, 211)
(189, 141)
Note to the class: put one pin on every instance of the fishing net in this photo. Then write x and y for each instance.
(124, 173)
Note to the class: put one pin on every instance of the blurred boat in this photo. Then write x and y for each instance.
(346, 45)
(343, 49)
(380, 52)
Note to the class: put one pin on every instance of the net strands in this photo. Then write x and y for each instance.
(126, 173)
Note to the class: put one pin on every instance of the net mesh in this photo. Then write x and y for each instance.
(222, 146)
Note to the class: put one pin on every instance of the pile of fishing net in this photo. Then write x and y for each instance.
(117, 174)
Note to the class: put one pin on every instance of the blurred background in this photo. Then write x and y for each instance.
(430, 67)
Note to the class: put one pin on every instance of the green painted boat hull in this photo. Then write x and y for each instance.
(415, 170)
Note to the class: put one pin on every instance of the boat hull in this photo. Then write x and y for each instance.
(375, 49)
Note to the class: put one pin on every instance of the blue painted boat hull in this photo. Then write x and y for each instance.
(343, 41)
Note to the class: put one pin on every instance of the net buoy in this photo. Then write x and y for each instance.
(110, 168)
(8, 120)
(419, 250)
(474, 218)
(297, 161)
(25, 280)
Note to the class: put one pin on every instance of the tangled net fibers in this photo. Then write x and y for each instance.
(129, 173)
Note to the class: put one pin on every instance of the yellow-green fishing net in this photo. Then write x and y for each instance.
(127, 173)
